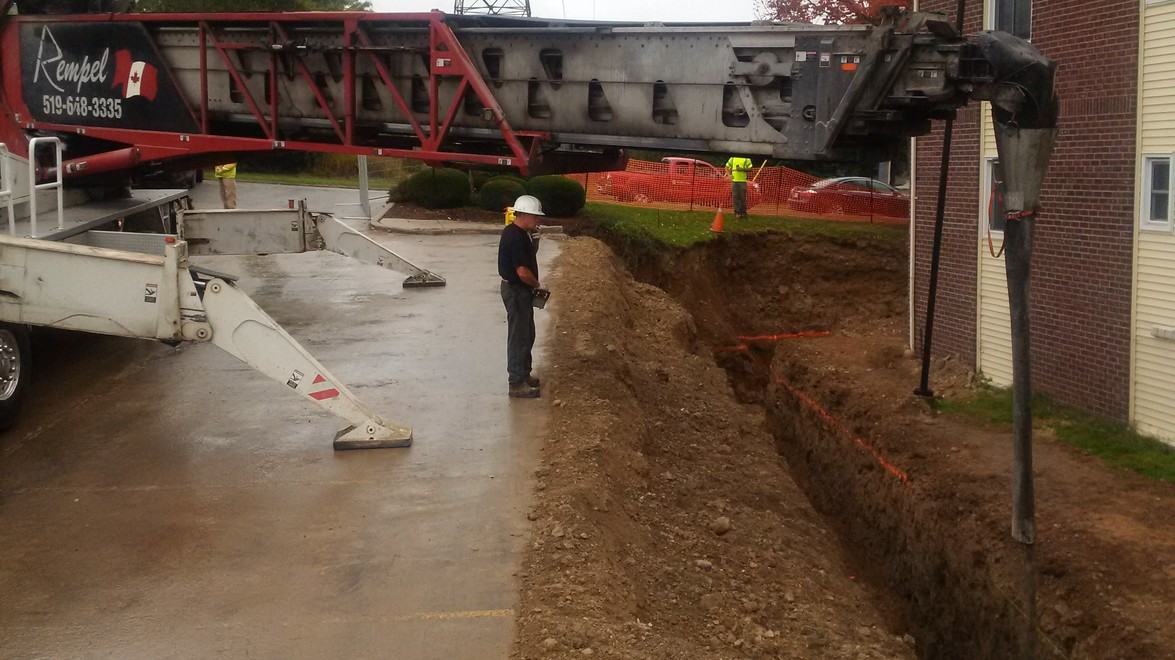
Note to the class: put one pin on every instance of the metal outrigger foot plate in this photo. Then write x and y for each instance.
(423, 279)
(354, 438)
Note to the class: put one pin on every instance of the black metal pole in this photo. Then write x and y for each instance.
(1018, 264)
(932, 290)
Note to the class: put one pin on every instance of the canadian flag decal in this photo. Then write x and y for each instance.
(136, 77)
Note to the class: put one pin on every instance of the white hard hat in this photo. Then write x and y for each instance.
(528, 204)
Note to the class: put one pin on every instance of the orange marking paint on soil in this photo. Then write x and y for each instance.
(835, 425)
(735, 347)
(786, 335)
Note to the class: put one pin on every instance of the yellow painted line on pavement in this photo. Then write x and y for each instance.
(460, 614)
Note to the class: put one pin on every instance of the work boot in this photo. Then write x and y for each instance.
(524, 391)
(533, 381)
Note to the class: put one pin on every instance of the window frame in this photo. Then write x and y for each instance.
(1146, 187)
(986, 202)
(990, 8)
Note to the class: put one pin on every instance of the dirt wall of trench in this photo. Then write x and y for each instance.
(922, 554)
(665, 522)
(920, 502)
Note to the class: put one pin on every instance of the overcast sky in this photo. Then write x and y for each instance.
(607, 10)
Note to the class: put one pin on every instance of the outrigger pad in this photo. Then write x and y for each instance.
(423, 279)
(353, 438)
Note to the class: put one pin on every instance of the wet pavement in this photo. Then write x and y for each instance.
(171, 502)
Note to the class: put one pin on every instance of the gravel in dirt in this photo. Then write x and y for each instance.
(735, 467)
(666, 524)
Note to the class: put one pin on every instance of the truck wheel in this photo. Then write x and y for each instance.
(641, 196)
(15, 364)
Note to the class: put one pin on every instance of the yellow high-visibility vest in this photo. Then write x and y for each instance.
(226, 171)
(738, 168)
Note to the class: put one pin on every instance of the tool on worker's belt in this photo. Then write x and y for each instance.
(539, 300)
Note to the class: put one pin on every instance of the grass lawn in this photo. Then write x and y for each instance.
(1114, 443)
(684, 228)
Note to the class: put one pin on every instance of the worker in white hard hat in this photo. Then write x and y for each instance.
(519, 269)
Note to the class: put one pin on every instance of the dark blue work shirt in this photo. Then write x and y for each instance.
(516, 249)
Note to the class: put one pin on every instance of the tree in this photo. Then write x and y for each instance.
(830, 12)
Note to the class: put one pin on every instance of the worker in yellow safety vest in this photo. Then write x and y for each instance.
(227, 176)
(737, 168)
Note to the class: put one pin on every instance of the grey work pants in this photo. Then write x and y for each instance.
(520, 330)
(739, 190)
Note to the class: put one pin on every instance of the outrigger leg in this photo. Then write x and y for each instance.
(338, 237)
(164, 297)
(244, 330)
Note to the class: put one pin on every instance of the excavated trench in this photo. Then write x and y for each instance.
(761, 302)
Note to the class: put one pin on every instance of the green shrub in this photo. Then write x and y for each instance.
(479, 178)
(500, 192)
(512, 177)
(561, 197)
(441, 188)
(399, 192)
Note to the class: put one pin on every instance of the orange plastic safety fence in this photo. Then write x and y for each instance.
(688, 184)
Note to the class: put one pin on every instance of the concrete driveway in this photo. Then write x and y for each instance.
(159, 502)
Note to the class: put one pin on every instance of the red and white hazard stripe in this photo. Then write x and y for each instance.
(321, 389)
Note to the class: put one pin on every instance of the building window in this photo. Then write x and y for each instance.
(1014, 16)
(1156, 193)
(994, 203)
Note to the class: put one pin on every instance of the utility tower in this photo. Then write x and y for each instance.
(497, 7)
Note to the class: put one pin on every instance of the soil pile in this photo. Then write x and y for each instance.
(666, 525)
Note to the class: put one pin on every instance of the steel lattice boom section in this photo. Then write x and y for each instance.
(484, 90)
(492, 7)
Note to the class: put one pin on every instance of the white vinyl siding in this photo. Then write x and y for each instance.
(993, 319)
(987, 148)
(1154, 358)
(1152, 402)
(1157, 95)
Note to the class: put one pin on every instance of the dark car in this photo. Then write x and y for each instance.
(850, 195)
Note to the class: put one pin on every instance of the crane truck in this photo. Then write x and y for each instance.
(91, 99)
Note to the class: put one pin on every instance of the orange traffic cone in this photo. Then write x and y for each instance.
(717, 226)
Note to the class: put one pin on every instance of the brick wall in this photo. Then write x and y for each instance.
(1081, 273)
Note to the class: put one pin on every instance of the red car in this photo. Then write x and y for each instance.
(682, 180)
(850, 195)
